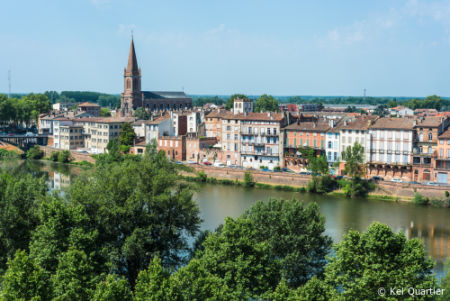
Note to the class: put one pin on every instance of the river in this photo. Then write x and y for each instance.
(429, 224)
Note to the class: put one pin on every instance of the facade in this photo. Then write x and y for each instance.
(213, 123)
(62, 106)
(71, 137)
(332, 147)
(356, 130)
(200, 149)
(426, 132)
(231, 139)
(91, 109)
(153, 129)
(401, 111)
(260, 143)
(442, 167)
(133, 97)
(57, 123)
(242, 105)
(179, 121)
(173, 147)
(391, 148)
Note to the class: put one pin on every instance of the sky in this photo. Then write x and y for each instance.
(328, 47)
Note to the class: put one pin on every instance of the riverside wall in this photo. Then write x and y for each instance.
(402, 191)
(77, 156)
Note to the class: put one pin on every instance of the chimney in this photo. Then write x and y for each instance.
(331, 123)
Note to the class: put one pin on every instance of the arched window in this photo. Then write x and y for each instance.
(420, 137)
(128, 83)
(430, 136)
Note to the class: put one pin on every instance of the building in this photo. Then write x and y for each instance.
(213, 123)
(425, 112)
(442, 167)
(356, 130)
(173, 147)
(91, 109)
(99, 131)
(71, 137)
(133, 97)
(243, 105)
(260, 143)
(391, 148)
(332, 147)
(179, 121)
(155, 128)
(231, 139)
(309, 107)
(62, 106)
(401, 111)
(426, 133)
(200, 149)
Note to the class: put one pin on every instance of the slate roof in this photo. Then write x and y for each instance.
(164, 94)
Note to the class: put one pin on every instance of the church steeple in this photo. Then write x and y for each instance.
(132, 97)
(132, 66)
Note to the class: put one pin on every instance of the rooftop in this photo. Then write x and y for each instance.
(163, 94)
(393, 123)
(88, 104)
(256, 116)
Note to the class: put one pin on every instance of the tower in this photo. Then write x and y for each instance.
(132, 96)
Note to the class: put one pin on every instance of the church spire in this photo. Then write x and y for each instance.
(132, 66)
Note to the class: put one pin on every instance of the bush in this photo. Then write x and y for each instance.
(64, 156)
(447, 194)
(248, 179)
(420, 199)
(7, 154)
(358, 187)
(35, 153)
(202, 176)
(125, 148)
(54, 156)
(277, 168)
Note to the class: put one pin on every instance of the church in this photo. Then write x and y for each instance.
(133, 98)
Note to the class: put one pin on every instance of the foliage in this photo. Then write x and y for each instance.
(354, 158)
(381, 111)
(5, 154)
(295, 234)
(202, 176)
(64, 156)
(35, 153)
(152, 284)
(26, 109)
(54, 156)
(113, 289)
(141, 113)
(248, 179)
(377, 258)
(201, 101)
(266, 103)
(25, 280)
(430, 102)
(19, 199)
(139, 211)
(127, 135)
(322, 184)
(230, 101)
(358, 187)
(105, 112)
(445, 282)
(420, 199)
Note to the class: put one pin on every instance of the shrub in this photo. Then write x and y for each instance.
(125, 148)
(7, 154)
(202, 176)
(64, 156)
(420, 199)
(447, 194)
(35, 153)
(248, 179)
(54, 156)
(277, 168)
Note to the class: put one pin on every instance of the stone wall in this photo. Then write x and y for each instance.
(77, 156)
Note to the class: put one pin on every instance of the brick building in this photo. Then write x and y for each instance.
(173, 147)
(213, 123)
(442, 166)
(91, 109)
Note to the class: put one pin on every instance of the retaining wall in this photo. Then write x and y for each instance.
(77, 156)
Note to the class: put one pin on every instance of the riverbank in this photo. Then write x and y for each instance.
(385, 191)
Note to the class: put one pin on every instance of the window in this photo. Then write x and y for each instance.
(448, 153)
(441, 153)
(430, 136)
(441, 141)
(430, 150)
(329, 156)
(335, 156)
(420, 137)
(330, 145)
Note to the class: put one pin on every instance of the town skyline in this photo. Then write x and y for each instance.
(212, 48)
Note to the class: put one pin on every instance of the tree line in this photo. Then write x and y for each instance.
(104, 100)
(23, 110)
(123, 230)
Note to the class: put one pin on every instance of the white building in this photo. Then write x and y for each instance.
(356, 130)
(332, 138)
(154, 129)
(401, 111)
(242, 106)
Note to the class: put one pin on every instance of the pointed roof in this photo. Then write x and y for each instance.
(132, 66)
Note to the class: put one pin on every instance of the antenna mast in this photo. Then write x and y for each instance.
(9, 83)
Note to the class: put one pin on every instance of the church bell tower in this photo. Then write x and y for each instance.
(132, 97)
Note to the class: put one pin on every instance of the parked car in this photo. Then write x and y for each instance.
(413, 182)
(191, 162)
(305, 173)
(377, 178)
(265, 169)
(11, 134)
(29, 134)
(178, 162)
(432, 184)
(284, 169)
(218, 164)
(397, 180)
(235, 166)
(207, 163)
(84, 152)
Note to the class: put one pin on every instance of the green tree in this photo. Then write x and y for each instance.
(248, 179)
(24, 280)
(152, 284)
(20, 196)
(105, 112)
(236, 255)
(354, 158)
(74, 278)
(377, 258)
(35, 153)
(445, 282)
(381, 111)
(230, 101)
(266, 103)
(127, 135)
(64, 156)
(295, 234)
(113, 289)
(141, 113)
(139, 210)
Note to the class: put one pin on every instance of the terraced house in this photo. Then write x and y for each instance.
(442, 167)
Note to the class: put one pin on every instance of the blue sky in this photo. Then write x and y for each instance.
(396, 48)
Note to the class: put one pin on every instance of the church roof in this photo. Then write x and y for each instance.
(163, 94)
(132, 66)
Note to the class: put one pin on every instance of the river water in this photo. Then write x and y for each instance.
(429, 224)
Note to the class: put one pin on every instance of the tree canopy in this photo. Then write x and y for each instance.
(127, 135)
(230, 101)
(266, 103)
